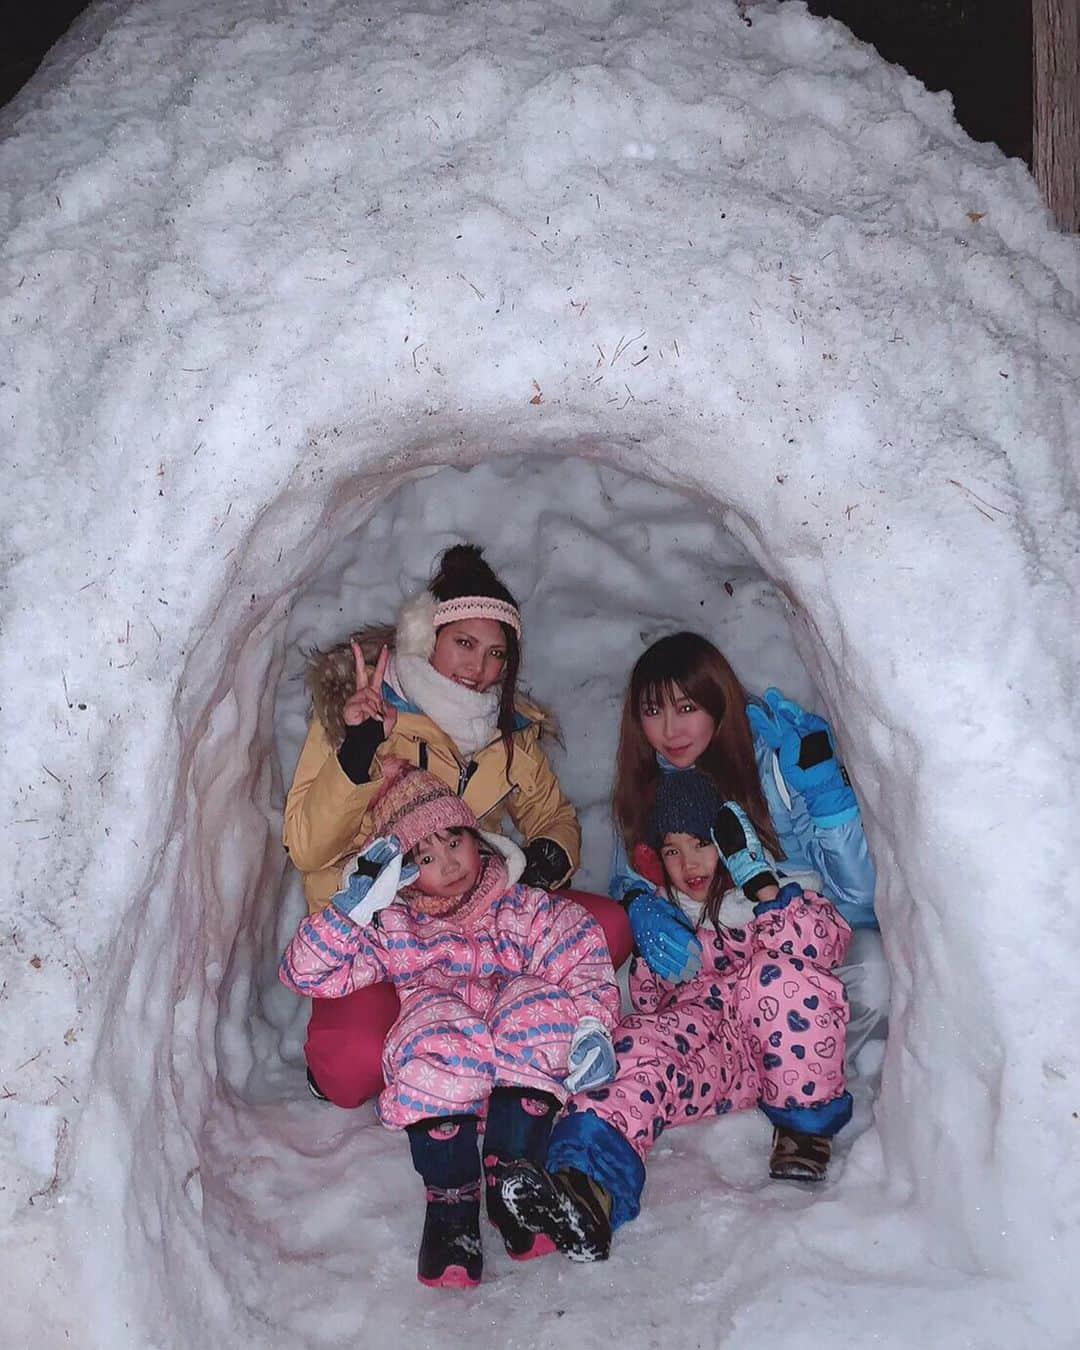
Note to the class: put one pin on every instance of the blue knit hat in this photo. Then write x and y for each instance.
(687, 802)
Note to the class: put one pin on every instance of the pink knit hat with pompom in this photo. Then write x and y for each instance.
(417, 804)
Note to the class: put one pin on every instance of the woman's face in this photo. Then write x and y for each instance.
(690, 864)
(677, 729)
(449, 862)
(471, 652)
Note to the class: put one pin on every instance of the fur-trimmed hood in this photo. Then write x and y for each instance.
(331, 675)
(331, 680)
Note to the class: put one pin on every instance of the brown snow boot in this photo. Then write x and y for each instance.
(799, 1157)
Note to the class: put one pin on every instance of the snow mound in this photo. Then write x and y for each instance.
(261, 267)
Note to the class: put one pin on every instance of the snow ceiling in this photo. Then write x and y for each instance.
(261, 263)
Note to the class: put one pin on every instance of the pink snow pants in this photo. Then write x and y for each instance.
(772, 1033)
(346, 1036)
(444, 1054)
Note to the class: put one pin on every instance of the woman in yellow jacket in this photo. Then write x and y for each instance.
(441, 697)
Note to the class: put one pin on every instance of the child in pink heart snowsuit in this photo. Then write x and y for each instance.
(507, 1000)
(761, 1023)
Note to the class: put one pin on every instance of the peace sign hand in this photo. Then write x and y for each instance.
(367, 703)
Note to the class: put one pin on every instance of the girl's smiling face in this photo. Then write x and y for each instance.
(690, 864)
(471, 652)
(449, 862)
(677, 728)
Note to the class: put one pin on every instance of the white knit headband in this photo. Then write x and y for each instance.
(478, 607)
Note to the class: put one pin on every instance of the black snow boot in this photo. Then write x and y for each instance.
(568, 1207)
(519, 1121)
(445, 1153)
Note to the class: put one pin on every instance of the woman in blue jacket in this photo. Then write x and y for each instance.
(686, 708)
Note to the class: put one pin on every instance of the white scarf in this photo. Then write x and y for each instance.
(469, 718)
(736, 911)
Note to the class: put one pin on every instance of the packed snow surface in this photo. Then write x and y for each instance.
(710, 294)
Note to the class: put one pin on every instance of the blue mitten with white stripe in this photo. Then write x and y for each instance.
(372, 879)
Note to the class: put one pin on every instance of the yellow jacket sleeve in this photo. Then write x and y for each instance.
(324, 810)
(538, 806)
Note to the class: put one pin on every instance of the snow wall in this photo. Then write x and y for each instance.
(260, 265)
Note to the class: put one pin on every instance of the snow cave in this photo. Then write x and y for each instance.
(706, 319)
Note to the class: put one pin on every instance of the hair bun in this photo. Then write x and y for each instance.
(463, 560)
(462, 570)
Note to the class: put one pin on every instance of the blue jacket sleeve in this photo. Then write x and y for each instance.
(838, 853)
(623, 877)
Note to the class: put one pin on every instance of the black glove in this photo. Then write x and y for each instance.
(546, 864)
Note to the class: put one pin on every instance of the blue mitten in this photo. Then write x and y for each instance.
(591, 1061)
(807, 753)
(742, 851)
(372, 879)
(663, 936)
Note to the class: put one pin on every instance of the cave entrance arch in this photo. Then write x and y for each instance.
(603, 560)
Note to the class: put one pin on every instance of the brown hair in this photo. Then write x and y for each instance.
(462, 571)
(703, 675)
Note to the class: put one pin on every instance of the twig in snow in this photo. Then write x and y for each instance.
(86, 968)
(468, 283)
(964, 488)
(624, 343)
(414, 351)
(67, 696)
(61, 1144)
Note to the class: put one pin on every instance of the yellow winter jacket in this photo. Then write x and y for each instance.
(327, 816)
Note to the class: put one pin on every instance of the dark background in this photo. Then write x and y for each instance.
(980, 50)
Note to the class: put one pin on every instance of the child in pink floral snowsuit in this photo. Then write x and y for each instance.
(761, 1023)
(507, 1001)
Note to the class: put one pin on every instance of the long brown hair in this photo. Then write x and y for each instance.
(702, 674)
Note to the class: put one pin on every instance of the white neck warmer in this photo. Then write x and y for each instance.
(736, 911)
(470, 719)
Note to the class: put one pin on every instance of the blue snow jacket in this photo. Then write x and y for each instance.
(837, 853)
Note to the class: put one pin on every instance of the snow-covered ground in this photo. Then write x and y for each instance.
(263, 265)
